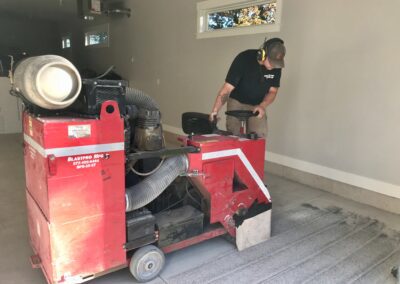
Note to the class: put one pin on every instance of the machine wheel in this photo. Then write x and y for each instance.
(146, 263)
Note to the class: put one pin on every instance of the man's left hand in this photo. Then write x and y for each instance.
(260, 110)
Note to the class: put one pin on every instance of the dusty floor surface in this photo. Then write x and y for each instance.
(317, 237)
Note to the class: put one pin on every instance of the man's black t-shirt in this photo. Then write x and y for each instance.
(250, 79)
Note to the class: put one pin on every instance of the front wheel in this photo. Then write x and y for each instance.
(146, 263)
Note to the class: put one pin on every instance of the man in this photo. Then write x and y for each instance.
(251, 84)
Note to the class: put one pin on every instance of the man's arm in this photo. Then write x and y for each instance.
(221, 99)
(268, 99)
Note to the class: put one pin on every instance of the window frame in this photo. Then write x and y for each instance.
(97, 29)
(63, 40)
(210, 6)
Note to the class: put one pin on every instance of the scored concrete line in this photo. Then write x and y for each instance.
(378, 263)
(315, 260)
(231, 262)
(358, 262)
(382, 272)
(259, 268)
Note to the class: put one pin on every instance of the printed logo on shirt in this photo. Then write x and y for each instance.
(269, 76)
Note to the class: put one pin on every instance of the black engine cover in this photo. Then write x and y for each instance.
(95, 91)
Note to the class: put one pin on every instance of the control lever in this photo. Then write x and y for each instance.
(243, 116)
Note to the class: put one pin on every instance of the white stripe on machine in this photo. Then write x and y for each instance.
(245, 161)
(75, 150)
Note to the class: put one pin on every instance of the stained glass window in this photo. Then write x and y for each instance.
(247, 16)
(217, 18)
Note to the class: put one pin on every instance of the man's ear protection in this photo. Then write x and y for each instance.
(262, 52)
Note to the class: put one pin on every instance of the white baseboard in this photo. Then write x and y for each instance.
(374, 185)
(172, 129)
(378, 186)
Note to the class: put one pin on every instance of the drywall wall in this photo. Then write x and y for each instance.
(21, 34)
(74, 29)
(336, 113)
(10, 109)
(25, 34)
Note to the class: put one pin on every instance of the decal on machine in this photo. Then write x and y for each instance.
(32, 152)
(86, 161)
(79, 131)
(74, 150)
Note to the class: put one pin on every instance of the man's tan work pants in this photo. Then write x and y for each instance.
(258, 125)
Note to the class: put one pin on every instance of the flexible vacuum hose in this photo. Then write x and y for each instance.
(140, 99)
(146, 191)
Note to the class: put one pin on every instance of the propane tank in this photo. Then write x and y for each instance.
(48, 81)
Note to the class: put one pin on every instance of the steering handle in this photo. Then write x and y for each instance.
(241, 114)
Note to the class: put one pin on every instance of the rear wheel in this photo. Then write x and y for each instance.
(146, 263)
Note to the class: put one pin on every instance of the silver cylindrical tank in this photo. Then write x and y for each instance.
(48, 81)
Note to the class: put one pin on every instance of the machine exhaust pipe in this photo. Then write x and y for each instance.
(48, 81)
(151, 187)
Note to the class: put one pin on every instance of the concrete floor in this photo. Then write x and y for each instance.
(317, 238)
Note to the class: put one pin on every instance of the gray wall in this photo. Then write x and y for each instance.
(22, 34)
(33, 36)
(10, 109)
(72, 28)
(336, 113)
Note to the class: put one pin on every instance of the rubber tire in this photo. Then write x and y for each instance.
(137, 261)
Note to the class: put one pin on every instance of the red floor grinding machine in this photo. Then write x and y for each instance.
(103, 192)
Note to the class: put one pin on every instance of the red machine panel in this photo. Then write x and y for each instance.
(229, 171)
(75, 193)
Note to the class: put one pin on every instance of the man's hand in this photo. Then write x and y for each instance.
(260, 110)
(268, 99)
(213, 116)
